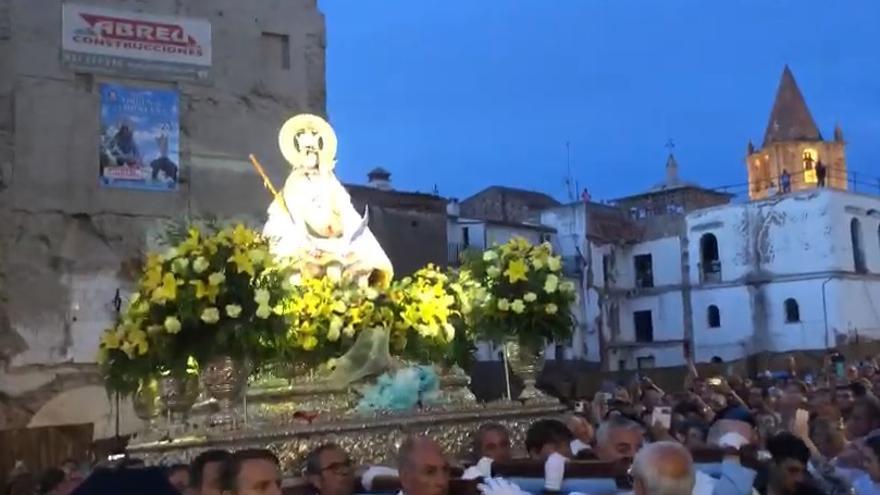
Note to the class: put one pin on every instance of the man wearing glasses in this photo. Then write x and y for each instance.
(329, 471)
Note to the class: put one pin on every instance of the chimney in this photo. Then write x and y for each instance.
(453, 209)
(380, 179)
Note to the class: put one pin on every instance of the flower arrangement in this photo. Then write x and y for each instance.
(215, 293)
(326, 314)
(526, 295)
(430, 308)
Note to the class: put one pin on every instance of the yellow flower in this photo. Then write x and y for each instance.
(516, 270)
(490, 255)
(242, 235)
(167, 291)
(210, 315)
(258, 255)
(204, 290)
(110, 339)
(216, 278)
(503, 304)
(233, 310)
(263, 311)
(551, 283)
(152, 277)
(261, 297)
(242, 262)
(310, 342)
(530, 297)
(136, 343)
(551, 309)
(191, 242)
(554, 263)
(172, 325)
(200, 264)
(517, 306)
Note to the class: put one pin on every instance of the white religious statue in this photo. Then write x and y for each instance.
(313, 223)
(311, 220)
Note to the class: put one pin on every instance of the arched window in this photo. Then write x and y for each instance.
(710, 264)
(792, 311)
(855, 230)
(714, 316)
(810, 158)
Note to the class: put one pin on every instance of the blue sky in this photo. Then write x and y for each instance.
(470, 93)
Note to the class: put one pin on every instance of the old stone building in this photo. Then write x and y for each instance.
(505, 204)
(410, 226)
(70, 238)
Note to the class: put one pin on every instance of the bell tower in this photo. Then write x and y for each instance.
(793, 146)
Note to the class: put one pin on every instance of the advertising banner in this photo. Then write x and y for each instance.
(95, 39)
(140, 138)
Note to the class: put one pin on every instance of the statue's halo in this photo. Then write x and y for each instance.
(303, 122)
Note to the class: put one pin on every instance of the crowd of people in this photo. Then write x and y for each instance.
(782, 434)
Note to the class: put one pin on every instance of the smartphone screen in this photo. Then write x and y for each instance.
(840, 369)
(662, 415)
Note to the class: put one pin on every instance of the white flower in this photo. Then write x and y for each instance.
(216, 278)
(503, 304)
(200, 264)
(567, 286)
(335, 328)
(450, 331)
(517, 306)
(530, 297)
(490, 255)
(554, 263)
(172, 324)
(551, 309)
(263, 311)
(210, 315)
(493, 271)
(261, 297)
(551, 284)
(233, 310)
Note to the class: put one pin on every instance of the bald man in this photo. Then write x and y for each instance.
(423, 467)
(663, 468)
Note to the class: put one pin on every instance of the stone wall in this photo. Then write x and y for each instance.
(410, 227)
(67, 244)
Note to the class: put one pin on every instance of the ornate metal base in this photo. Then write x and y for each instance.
(371, 440)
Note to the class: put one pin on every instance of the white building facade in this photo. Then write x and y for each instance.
(797, 272)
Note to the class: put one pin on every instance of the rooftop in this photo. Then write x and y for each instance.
(790, 119)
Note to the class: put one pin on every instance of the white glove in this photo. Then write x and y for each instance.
(732, 439)
(554, 471)
(485, 466)
(499, 486)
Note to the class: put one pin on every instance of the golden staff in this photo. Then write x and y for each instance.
(267, 182)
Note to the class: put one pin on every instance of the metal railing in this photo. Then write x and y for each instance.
(855, 181)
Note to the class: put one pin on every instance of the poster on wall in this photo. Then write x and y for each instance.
(140, 138)
(96, 39)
